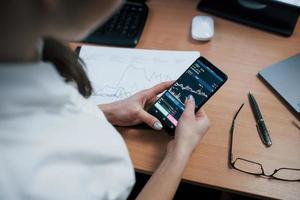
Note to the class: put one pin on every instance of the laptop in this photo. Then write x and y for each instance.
(284, 78)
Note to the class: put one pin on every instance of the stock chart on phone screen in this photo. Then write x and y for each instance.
(199, 81)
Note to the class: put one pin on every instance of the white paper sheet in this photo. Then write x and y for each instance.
(116, 73)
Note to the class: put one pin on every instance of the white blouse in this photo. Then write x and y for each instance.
(55, 144)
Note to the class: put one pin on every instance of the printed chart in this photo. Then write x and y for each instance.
(117, 73)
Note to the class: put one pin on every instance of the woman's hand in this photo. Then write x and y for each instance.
(166, 178)
(131, 111)
(190, 129)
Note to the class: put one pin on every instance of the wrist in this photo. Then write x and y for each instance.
(177, 152)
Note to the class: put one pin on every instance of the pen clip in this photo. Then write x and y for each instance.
(261, 135)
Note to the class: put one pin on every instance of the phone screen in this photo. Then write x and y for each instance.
(201, 80)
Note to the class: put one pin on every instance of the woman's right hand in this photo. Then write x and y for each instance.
(190, 129)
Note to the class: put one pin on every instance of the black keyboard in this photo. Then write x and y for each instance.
(122, 29)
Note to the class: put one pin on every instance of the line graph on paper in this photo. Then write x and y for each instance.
(117, 73)
(120, 91)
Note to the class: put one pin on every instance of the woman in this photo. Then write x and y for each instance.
(54, 142)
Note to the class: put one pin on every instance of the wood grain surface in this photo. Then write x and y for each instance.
(241, 52)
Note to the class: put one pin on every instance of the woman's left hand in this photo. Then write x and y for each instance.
(131, 111)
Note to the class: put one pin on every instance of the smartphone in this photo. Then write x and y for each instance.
(202, 79)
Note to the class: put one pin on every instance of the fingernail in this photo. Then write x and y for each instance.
(190, 97)
(158, 125)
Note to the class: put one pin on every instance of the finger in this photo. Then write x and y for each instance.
(202, 117)
(150, 101)
(154, 99)
(159, 88)
(150, 120)
(189, 110)
(201, 113)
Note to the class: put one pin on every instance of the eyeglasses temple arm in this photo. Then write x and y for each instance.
(230, 153)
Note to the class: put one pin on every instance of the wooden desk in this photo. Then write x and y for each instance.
(240, 51)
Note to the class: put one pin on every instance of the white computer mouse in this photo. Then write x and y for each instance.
(202, 28)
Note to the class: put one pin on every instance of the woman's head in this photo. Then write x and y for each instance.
(60, 19)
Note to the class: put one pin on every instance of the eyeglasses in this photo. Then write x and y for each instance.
(255, 168)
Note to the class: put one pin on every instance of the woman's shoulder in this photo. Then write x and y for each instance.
(76, 156)
(58, 141)
(41, 106)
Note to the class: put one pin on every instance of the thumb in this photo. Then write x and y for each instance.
(189, 110)
(150, 120)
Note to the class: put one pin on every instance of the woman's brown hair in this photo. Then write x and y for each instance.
(68, 64)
